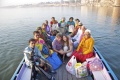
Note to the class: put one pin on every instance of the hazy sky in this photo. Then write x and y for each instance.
(17, 2)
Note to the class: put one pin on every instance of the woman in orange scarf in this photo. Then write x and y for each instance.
(85, 48)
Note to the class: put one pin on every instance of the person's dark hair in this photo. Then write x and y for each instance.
(46, 20)
(80, 24)
(35, 32)
(43, 24)
(39, 28)
(59, 35)
(53, 33)
(53, 17)
(31, 40)
(77, 20)
(67, 41)
(71, 18)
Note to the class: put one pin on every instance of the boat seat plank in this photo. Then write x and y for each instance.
(25, 73)
(100, 75)
(22, 72)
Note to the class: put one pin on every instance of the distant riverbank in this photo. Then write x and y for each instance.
(55, 4)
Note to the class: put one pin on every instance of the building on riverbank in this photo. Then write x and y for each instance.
(72, 3)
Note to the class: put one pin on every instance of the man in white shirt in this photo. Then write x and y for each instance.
(77, 38)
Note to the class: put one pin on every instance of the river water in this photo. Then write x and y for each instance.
(17, 25)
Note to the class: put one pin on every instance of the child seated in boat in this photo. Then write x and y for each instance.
(85, 48)
(53, 24)
(44, 36)
(67, 46)
(62, 25)
(47, 39)
(53, 35)
(47, 27)
(77, 21)
(70, 25)
(44, 32)
(39, 29)
(57, 44)
(39, 43)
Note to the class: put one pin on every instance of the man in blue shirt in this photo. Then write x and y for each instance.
(31, 50)
(32, 54)
(70, 25)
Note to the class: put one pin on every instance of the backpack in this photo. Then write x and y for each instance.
(96, 65)
(45, 50)
(54, 60)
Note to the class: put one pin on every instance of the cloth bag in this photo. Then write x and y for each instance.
(71, 28)
(45, 50)
(70, 65)
(55, 27)
(96, 65)
(80, 70)
(54, 60)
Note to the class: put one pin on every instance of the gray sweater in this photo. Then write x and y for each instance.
(27, 53)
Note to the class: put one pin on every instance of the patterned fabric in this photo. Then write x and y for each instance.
(57, 45)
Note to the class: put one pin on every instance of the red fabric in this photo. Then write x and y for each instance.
(51, 22)
(82, 57)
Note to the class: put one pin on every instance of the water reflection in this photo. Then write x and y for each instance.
(102, 13)
(115, 15)
(84, 11)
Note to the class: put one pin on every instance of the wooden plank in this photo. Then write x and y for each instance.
(56, 75)
(74, 77)
(60, 73)
(64, 72)
(69, 76)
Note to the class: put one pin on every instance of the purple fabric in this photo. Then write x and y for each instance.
(96, 65)
(21, 72)
(57, 45)
(48, 29)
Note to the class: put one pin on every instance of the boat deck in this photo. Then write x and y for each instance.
(62, 74)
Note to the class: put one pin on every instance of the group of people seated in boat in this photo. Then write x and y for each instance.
(65, 38)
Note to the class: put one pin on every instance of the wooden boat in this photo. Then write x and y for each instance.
(24, 73)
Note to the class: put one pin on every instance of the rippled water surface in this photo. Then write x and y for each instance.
(17, 25)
